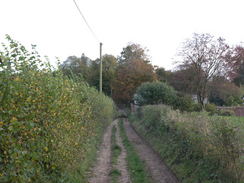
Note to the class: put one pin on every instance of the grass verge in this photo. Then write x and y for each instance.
(82, 173)
(115, 151)
(135, 165)
(198, 148)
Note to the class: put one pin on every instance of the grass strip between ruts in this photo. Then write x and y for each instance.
(115, 152)
(135, 165)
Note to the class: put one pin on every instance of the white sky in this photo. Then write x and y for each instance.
(160, 25)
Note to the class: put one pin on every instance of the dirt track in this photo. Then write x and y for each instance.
(100, 173)
(154, 165)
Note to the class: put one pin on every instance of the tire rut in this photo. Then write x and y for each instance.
(156, 167)
(100, 173)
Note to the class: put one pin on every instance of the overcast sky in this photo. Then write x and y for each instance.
(56, 27)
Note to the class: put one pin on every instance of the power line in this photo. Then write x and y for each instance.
(94, 35)
(83, 17)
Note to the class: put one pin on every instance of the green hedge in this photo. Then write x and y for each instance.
(49, 125)
(155, 93)
(198, 148)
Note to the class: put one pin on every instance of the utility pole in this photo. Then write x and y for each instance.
(101, 69)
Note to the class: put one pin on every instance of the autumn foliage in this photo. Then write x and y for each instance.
(133, 70)
(49, 124)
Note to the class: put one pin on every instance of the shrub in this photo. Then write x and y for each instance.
(196, 107)
(155, 93)
(210, 108)
(183, 103)
(224, 93)
(161, 93)
(225, 112)
(49, 124)
(233, 101)
(197, 147)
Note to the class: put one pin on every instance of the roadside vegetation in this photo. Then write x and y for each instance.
(196, 146)
(136, 166)
(52, 119)
(180, 113)
(50, 124)
(150, 93)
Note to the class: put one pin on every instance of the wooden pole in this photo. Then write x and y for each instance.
(101, 69)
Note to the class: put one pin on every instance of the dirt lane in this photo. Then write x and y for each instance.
(158, 170)
(100, 173)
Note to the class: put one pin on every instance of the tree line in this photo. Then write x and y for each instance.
(208, 68)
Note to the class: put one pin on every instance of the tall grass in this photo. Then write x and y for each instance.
(197, 147)
(49, 124)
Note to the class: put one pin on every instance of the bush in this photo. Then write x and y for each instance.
(49, 125)
(233, 101)
(154, 93)
(183, 103)
(224, 93)
(161, 93)
(225, 112)
(196, 107)
(211, 108)
(197, 147)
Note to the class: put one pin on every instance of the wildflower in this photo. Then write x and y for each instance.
(1, 123)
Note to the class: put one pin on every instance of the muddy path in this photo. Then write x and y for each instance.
(156, 167)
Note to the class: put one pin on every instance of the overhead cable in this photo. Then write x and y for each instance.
(83, 17)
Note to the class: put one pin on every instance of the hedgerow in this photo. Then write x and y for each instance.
(49, 124)
(198, 147)
(151, 93)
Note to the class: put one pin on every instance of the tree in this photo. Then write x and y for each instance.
(236, 63)
(128, 77)
(223, 92)
(109, 68)
(76, 66)
(162, 74)
(133, 69)
(133, 52)
(206, 56)
(183, 80)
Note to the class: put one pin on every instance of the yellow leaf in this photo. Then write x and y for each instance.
(17, 79)
(13, 119)
(46, 149)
